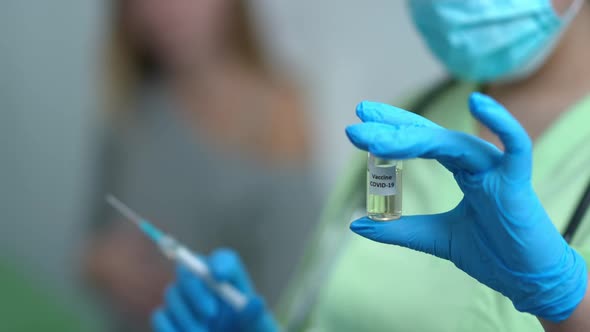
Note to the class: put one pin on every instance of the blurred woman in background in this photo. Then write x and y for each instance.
(205, 141)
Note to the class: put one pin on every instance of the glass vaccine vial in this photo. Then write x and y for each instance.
(384, 189)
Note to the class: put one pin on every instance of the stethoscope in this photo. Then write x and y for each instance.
(575, 220)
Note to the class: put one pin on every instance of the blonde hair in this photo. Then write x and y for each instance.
(127, 66)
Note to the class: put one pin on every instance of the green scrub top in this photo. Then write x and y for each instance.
(348, 283)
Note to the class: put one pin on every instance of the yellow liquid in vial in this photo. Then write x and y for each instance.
(384, 207)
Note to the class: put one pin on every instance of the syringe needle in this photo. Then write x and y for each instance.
(147, 228)
(124, 210)
(179, 253)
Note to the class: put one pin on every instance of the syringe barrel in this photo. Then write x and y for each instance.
(192, 262)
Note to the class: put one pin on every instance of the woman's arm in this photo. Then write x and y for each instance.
(579, 321)
(128, 270)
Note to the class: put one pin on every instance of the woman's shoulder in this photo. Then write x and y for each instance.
(275, 104)
(272, 89)
(288, 120)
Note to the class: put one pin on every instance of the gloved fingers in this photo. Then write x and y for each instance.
(455, 150)
(425, 233)
(162, 323)
(226, 265)
(517, 159)
(369, 111)
(199, 297)
(180, 313)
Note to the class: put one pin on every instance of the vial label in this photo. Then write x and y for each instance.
(382, 179)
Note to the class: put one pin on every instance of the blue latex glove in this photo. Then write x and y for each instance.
(191, 307)
(499, 233)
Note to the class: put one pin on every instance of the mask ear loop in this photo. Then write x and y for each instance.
(537, 60)
(570, 14)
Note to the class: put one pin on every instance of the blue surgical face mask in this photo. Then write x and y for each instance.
(491, 40)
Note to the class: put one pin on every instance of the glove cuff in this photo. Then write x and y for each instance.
(555, 295)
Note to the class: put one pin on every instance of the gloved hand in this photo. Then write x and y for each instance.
(191, 307)
(499, 233)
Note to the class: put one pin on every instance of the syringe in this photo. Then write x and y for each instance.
(179, 253)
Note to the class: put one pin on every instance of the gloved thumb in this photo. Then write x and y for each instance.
(430, 234)
(226, 265)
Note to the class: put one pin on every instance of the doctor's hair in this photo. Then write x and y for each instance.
(129, 64)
